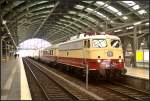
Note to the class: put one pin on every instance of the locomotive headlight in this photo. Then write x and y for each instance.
(120, 60)
(98, 60)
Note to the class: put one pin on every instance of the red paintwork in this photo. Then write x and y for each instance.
(92, 63)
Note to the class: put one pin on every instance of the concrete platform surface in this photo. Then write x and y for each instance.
(14, 84)
(138, 72)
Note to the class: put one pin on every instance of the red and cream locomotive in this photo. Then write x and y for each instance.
(102, 54)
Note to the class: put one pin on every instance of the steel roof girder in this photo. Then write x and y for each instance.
(54, 33)
(56, 4)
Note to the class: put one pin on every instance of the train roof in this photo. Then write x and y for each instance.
(82, 37)
(53, 46)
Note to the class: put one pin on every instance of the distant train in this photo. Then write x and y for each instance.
(101, 54)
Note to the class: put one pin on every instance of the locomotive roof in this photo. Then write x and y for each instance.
(74, 38)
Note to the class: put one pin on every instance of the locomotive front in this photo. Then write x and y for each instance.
(106, 56)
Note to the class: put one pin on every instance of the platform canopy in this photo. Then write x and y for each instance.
(56, 20)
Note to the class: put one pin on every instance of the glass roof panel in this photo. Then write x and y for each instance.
(40, 2)
(99, 3)
(129, 3)
(74, 19)
(58, 22)
(67, 16)
(89, 10)
(16, 3)
(119, 13)
(108, 8)
(91, 19)
(80, 14)
(72, 12)
(87, 1)
(142, 11)
(79, 7)
(100, 14)
(43, 7)
(106, 5)
(62, 20)
(135, 7)
(112, 9)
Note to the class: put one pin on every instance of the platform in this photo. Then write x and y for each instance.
(14, 84)
(138, 72)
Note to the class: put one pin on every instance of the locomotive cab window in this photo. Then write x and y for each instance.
(99, 43)
(115, 43)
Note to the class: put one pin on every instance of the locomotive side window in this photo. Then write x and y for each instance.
(99, 43)
(52, 52)
(86, 43)
(115, 43)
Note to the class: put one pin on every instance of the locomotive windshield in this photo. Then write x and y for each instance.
(115, 43)
(99, 43)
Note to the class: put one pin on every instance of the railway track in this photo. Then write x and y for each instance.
(109, 90)
(126, 91)
(51, 87)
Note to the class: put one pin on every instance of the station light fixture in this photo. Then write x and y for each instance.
(9, 33)
(142, 43)
(111, 21)
(137, 23)
(4, 22)
(125, 18)
(140, 32)
(147, 23)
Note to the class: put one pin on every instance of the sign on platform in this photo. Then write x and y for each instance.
(139, 56)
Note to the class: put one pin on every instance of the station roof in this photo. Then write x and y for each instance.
(56, 20)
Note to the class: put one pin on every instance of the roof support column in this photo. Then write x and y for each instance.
(125, 42)
(0, 50)
(134, 45)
